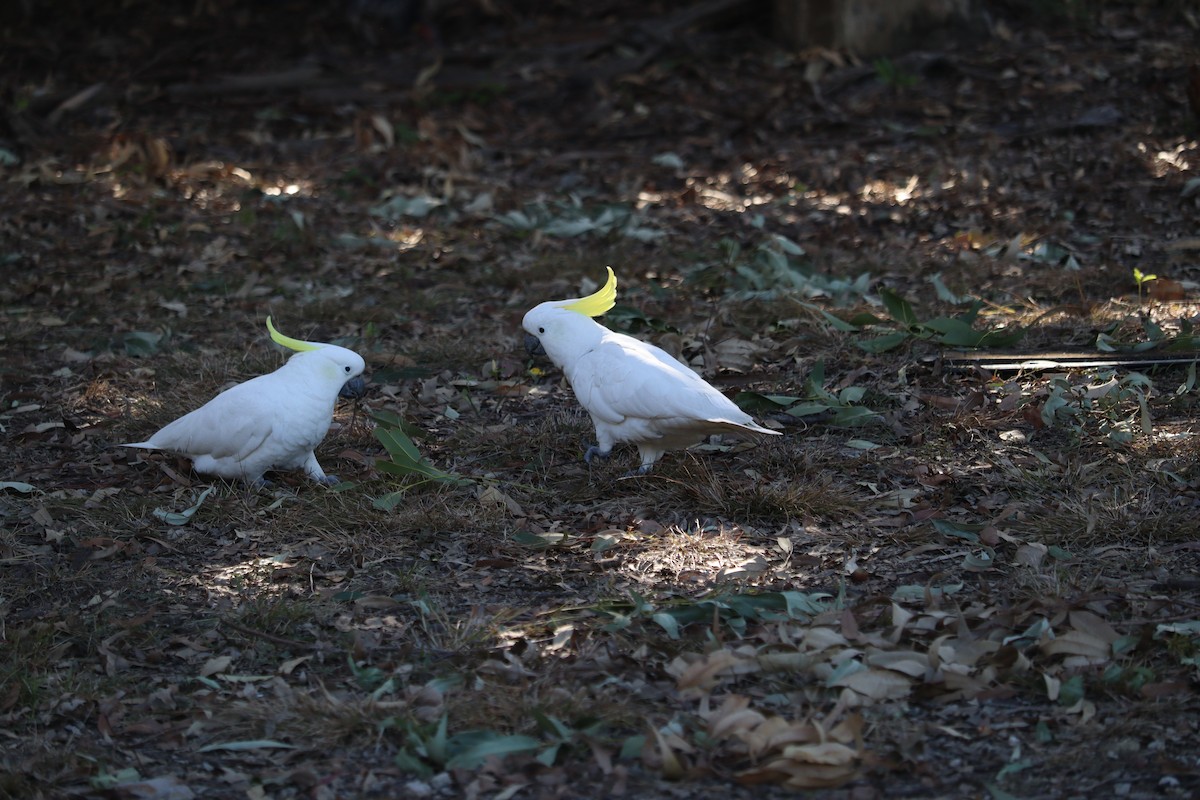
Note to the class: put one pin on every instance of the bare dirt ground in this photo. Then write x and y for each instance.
(948, 578)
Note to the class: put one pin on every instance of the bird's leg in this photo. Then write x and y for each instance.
(642, 470)
(594, 451)
(313, 470)
(260, 483)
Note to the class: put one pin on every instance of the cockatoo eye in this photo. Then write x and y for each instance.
(541, 330)
(347, 369)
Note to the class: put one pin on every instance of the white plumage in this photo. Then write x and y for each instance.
(274, 421)
(635, 392)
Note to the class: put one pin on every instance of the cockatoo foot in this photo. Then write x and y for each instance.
(329, 480)
(261, 483)
(594, 451)
(642, 470)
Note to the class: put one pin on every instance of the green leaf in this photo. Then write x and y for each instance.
(182, 517)
(752, 402)
(980, 560)
(957, 332)
(539, 541)
(971, 314)
(389, 501)
(865, 319)
(1055, 403)
(960, 530)
(852, 394)
(389, 419)
(605, 541)
(142, 343)
(668, 623)
(816, 376)
(249, 744)
(881, 344)
(852, 416)
(916, 592)
(999, 794)
(808, 408)
(799, 604)
(944, 294)
(1188, 384)
(1125, 644)
(1188, 628)
(1071, 691)
(407, 460)
(548, 756)
(438, 746)
(472, 748)
(408, 762)
(1030, 635)
(1013, 768)
(836, 322)
(551, 725)
(1001, 337)
(899, 308)
(108, 781)
(631, 747)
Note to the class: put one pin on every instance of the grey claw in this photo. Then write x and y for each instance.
(594, 451)
(330, 480)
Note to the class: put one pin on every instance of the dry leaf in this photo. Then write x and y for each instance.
(215, 665)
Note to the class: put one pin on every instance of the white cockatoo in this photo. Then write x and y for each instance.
(635, 392)
(270, 422)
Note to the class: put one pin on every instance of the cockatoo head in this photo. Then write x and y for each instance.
(563, 329)
(327, 362)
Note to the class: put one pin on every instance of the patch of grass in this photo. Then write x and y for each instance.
(277, 614)
(320, 718)
(445, 628)
(698, 552)
(1107, 514)
(777, 493)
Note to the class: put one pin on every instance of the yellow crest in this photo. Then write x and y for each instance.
(289, 342)
(596, 304)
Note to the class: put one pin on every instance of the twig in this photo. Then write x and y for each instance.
(270, 637)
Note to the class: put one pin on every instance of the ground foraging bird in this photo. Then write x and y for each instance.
(270, 422)
(635, 392)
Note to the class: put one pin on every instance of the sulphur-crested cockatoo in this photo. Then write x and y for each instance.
(270, 422)
(635, 392)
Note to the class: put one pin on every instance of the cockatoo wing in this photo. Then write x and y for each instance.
(233, 425)
(625, 377)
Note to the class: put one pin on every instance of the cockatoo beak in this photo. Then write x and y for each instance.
(533, 345)
(353, 389)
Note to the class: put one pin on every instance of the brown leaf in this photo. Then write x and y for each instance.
(215, 665)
